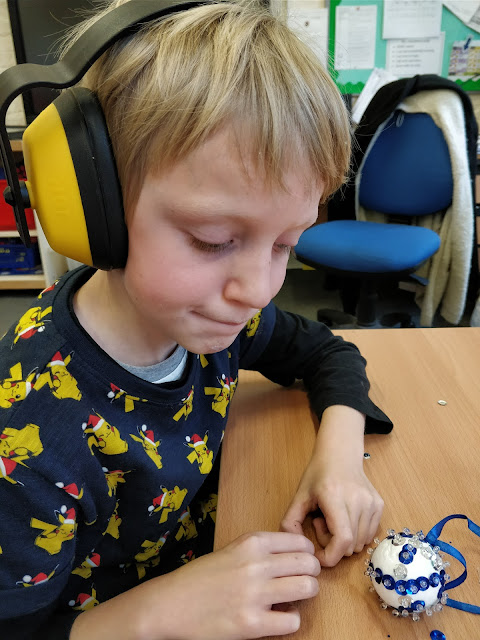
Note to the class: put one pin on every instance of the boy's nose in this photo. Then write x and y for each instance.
(251, 282)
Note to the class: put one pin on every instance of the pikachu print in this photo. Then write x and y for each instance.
(15, 388)
(116, 393)
(146, 437)
(114, 478)
(187, 406)
(85, 601)
(199, 452)
(222, 394)
(253, 324)
(40, 578)
(59, 379)
(32, 322)
(16, 446)
(113, 528)
(54, 535)
(104, 436)
(167, 501)
(92, 561)
(187, 528)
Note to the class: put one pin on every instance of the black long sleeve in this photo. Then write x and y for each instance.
(332, 370)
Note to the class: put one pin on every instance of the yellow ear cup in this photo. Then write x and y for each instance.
(53, 187)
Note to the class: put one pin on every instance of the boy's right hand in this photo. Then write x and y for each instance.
(229, 594)
(242, 591)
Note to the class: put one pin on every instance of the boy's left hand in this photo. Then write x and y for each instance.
(335, 483)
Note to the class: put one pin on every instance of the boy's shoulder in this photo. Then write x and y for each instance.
(34, 339)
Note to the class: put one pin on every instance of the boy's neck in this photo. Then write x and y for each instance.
(107, 315)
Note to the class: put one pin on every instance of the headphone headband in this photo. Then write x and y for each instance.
(117, 23)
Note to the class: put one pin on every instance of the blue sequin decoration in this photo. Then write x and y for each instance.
(388, 582)
(379, 577)
(437, 635)
(401, 587)
(417, 604)
(405, 556)
(412, 587)
(434, 580)
(409, 547)
(423, 583)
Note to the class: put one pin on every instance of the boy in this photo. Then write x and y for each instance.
(227, 133)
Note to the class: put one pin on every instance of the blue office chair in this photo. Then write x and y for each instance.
(406, 173)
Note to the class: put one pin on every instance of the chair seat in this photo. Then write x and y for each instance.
(367, 247)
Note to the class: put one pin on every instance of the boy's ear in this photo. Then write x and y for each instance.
(73, 183)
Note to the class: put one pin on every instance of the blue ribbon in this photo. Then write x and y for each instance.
(432, 538)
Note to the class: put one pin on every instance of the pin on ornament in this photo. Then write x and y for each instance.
(408, 574)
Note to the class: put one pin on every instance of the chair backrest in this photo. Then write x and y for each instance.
(407, 170)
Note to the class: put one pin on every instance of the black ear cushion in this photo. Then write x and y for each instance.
(95, 168)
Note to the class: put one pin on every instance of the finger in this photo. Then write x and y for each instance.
(364, 527)
(321, 531)
(276, 542)
(375, 520)
(341, 542)
(290, 589)
(294, 517)
(293, 564)
(280, 623)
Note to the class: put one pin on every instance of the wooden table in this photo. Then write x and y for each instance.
(426, 469)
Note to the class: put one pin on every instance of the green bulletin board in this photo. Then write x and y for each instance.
(353, 80)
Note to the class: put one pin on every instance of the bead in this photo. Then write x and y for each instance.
(437, 607)
(405, 601)
(437, 635)
(423, 583)
(415, 617)
(444, 598)
(369, 551)
(390, 533)
(401, 587)
(412, 587)
(400, 571)
(397, 539)
(366, 455)
(404, 613)
(376, 540)
(384, 605)
(405, 557)
(434, 580)
(418, 605)
(442, 402)
(395, 613)
(421, 535)
(388, 582)
(428, 611)
(406, 531)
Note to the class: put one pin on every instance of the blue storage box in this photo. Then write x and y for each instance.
(15, 258)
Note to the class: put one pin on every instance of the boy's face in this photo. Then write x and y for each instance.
(209, 245)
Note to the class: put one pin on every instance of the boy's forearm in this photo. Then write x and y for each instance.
(341, 430)
(128, 616)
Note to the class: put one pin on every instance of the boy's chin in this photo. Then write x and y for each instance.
(213, 346)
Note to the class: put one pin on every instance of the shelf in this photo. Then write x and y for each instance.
(23, 282)
(15, 234)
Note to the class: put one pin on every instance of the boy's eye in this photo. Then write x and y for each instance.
(212, 247)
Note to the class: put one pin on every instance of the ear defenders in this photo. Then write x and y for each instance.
(72, 181)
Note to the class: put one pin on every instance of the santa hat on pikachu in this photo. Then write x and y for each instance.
(68, 515)
(196, 440)
(94, 423)
(71, 489)
(148, 433)
(38, 579)
(93, 560)
(57, 360)
(114, 390)
(83, 600)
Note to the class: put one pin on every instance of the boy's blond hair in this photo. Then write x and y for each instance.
(167, 88)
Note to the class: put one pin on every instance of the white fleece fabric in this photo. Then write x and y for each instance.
(449, 269)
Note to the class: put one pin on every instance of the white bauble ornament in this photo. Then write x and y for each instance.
(408, 574)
